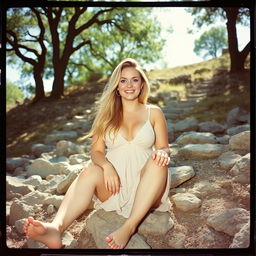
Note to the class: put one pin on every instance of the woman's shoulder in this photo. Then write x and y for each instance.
(155, 112)
(154, 108)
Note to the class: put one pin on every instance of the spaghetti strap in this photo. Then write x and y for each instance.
(148, 112)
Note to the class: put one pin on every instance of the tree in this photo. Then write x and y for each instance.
(26, 47)
(90, 31)
(231, 15)
(211, 42)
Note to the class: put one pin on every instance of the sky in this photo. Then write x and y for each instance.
(178, 50)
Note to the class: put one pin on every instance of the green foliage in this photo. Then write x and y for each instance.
(13, 93)
(211, 42)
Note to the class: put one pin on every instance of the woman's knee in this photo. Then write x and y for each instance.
(92, 171)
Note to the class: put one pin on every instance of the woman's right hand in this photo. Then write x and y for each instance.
(111, 179)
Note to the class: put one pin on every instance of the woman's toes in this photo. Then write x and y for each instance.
(108, 239)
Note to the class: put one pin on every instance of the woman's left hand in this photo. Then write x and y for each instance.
(160, 157)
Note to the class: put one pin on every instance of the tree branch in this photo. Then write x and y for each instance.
(93, 20)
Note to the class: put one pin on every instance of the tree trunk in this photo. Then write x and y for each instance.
(237, 58)
(39, 90)
(58, 82)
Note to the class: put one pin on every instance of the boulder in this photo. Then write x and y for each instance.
(241, 170)
(56, 136)
(15, 185)
(212, 127)
(19, 210)
(242, 238)
(223, 140)
(34, 198)
(189, 124)
(63, 186)
(186, 201)
(38, 149)
(180, 174)
(79, 158)
(205, 188)
(177, 240)
(200, 151)
(240, 141)
(228, 159)
(13, 162)
(67, 148)
(42, 168)
(157, 223)
(33, 180)
(237, 129)
(101, 223)
(237, 116)
(229, 221)
(196, 138)
(54, 200)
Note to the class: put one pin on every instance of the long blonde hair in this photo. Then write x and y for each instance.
(110, 110)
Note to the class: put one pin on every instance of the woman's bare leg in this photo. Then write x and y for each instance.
(149, 192)
(75, 202)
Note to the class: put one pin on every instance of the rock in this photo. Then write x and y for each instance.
(50, 209)
(223, 140)
(180, 174)
(237, 116)
(15, 185)
(229, 221)
(78, 158)
(54, 200)
(38, 149)
(212, 127)
(228, 159)
(101, 223)
(189, 124)
(19, 225)
(63, 186)
(158, 223)
(13, 162)
(33, 180)
(19, 211)
(56, 136)
(196, 138)
(42, 168)
(67, 148)
(34, 244)
(186, 201)
(205, 188)
(242, 238)
(58, 159)
(240, 141)
(177, 240)
(200, 151)
(45, 168)
(208, 238)
(241, 170)
(237, 129)
(68, 240)
(35, 197)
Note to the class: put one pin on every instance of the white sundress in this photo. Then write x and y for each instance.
(128, 159)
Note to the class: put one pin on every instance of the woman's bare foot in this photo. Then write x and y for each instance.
(119, 238)
(45, 233)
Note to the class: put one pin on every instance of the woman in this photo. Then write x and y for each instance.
(131, 178)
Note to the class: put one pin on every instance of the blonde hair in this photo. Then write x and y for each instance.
(109, 110)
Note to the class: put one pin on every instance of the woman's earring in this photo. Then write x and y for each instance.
(118, 93)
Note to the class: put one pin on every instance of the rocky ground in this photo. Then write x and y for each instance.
(210, 184)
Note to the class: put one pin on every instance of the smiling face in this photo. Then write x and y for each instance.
(130, 83)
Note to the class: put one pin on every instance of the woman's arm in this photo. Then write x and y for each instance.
(111, 177)
(162, 152)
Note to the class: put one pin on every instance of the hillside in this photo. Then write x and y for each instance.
(28, 123)
(208, 122)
